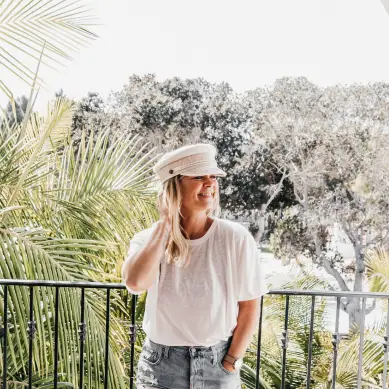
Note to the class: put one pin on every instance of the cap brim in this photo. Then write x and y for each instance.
(203, 171)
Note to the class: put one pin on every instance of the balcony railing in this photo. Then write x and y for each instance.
(288, 295)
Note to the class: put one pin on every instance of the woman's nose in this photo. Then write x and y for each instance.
(208, 182)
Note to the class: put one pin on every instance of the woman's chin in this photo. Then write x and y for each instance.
(207, 203)
(203, 206)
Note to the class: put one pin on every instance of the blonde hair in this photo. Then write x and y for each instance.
(170, 198)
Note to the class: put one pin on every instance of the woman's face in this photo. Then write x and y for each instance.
(198, 193)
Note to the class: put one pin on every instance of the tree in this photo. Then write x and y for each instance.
(14, 113)
(333, 146)
(88, 117)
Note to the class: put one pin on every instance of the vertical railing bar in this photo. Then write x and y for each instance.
(310, 342)
(82, 332)
(386, 339)
(56, 321)
(132, 338)
(335, 342)
(31, 332)
(5, 329)
(107, 318)
(285, 343)
(259, 344)
(361, 340)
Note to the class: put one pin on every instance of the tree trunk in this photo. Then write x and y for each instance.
(353, 304)
(354, 311)
(359, 268)
(258, 218)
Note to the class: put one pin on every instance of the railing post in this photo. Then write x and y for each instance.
(82, 335)
(259, 344)
(107, 318)
(284, 342)
(132, 338)
(385, 344)
(361, 340)
(335, 342)
(310, 342)
(31, 330)
(56, 323)
(5, 334)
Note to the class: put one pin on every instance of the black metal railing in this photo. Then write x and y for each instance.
(336, 336)
(287, 295)
(82, 328)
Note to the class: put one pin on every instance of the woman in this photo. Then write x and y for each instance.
(203, 279)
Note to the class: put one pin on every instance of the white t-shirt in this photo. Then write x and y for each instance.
(198, 305)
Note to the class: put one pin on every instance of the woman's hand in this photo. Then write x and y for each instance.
(229, 367)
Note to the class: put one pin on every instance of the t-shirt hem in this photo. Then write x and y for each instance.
(254, 296)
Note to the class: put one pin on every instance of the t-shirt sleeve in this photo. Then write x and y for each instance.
(251, 277)
(136, 243)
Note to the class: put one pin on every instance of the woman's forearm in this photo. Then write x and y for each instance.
(248, 318)
(140, 270)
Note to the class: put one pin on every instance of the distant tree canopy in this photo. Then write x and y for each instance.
(14, 113)
(176, 112)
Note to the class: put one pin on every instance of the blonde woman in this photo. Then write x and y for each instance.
(203, 278)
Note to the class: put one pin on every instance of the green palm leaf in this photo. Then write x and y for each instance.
(377, 268)
(61, 27)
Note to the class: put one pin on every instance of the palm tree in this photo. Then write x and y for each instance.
(66, 212)
(65, 215)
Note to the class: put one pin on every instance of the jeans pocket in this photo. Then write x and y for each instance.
(224, 370)
(151, 353)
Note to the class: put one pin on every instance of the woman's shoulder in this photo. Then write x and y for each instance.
(233, 228)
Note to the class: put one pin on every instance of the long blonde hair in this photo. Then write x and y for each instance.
(170, 198)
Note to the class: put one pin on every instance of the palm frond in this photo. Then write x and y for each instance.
(25, 160)
(377, 270)
(61, 26)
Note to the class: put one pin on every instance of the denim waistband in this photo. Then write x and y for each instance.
(213, 351)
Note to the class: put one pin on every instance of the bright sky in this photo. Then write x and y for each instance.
(249, 43)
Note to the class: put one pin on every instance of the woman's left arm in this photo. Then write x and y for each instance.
(247, 322)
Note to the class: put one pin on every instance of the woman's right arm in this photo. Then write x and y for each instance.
(140, 270)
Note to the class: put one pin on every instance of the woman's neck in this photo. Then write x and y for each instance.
(196, 226)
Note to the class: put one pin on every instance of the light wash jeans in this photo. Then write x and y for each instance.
(181, 367)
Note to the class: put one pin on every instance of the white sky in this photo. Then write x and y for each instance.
(248, 43)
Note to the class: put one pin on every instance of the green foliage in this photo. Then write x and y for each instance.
(377, 268)
(67, 215)
(290, 238)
